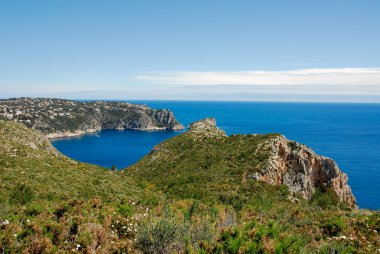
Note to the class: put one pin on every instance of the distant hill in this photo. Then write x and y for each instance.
(199, 192)
(59, 118)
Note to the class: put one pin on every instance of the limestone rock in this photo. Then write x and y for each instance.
(206, 128)
(303, 171)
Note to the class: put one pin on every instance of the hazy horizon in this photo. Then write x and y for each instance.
(325, 51)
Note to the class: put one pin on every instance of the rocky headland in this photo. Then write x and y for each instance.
(272, 159)
(64, 118)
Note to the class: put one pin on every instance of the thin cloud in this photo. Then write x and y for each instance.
(312, 77)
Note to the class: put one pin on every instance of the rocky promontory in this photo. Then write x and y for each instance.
(240, 160)
(302, 170)
(61, 118)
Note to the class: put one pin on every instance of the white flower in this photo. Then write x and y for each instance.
(78, 246)
(15, 235)
(6, 222)
(28, 221)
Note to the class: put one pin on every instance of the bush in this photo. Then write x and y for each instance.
(125, 210)
(21, 194)
(163, 235)
(333, 226)
(334, 248)
(232, 199)
(202, 231)
(325, 199)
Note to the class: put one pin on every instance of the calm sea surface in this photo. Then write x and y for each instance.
(348, 133)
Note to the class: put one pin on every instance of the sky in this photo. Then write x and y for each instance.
(284, 50)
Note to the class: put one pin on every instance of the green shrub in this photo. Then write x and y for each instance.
(333, 226)
(232, 241)
(202, 231)
(336, 248)
(324, 199)
(232, 199)
(125, 210)
(261, 203)
(21, 194)
(162, 235)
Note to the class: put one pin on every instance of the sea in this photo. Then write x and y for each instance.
(348, 133)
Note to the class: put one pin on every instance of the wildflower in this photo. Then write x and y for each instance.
(15, 235)
(28, 221)
(6, 222)
(78, 246)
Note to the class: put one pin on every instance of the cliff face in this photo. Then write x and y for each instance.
(303, 171)
(59, 118)
(239, 161)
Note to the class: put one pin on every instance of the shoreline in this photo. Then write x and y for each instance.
(59, 135)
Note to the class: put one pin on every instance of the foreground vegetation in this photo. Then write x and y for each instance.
(187, 196)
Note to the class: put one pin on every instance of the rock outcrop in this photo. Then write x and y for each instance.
(303, 171)
(206, 128)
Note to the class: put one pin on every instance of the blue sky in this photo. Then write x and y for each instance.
(326, 50)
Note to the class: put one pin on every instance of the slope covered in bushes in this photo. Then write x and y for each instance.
(187, 196)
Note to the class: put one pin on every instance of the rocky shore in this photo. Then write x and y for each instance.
(57, 118)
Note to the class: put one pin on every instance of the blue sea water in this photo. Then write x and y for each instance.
(348, 133)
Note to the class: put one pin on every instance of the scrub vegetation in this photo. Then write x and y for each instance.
(189, 195)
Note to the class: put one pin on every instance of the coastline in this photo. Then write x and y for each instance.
(58, 135)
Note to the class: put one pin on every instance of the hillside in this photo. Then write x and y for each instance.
(284, 197)
(199, 192)
(44, 195)
(204, 163)
(59, 118)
